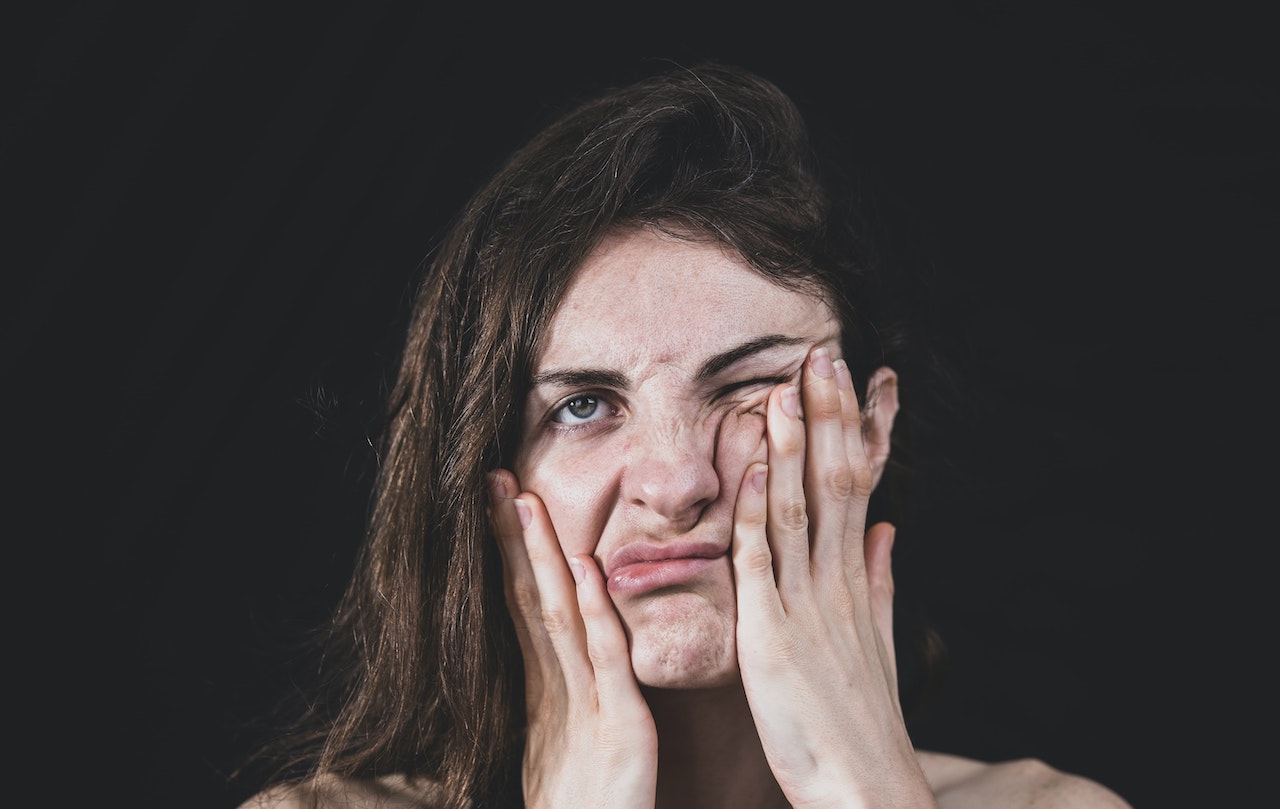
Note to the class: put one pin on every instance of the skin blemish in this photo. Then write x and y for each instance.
(685, 358)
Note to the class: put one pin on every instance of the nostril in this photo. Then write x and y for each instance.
(675, 485)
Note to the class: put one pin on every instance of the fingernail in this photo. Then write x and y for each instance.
(497, 485)
(759, 477)
(523, 512)
(578, 571)
(844, 379)
(821, 362)
(790, 401)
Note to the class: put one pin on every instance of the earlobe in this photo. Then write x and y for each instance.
(877, 418)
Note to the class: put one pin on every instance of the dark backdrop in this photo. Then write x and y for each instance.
(216, 215)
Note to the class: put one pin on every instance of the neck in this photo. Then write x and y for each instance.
(709, 754)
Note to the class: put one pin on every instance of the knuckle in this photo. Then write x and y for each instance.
(826, 402)
(857, 579)
(524, 599)
(592, 609)
(881, 586)
(599, 656)
(537, 552)
(841, 481)
(886, 588)
(851, 415)
(861, 480)
(794, 516)
(754, 516)
(758, 562)
(555, 621)
(789, 443)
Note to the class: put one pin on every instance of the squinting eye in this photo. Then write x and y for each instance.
(754, 391)
(578, 410)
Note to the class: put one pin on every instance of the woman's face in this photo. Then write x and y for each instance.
(646, 408)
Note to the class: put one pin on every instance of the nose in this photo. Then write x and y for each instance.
(671, 474)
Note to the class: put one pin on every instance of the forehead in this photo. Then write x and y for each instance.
(643, 296)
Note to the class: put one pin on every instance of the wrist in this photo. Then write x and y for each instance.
(899, 791)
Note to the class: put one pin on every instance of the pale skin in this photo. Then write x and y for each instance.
(704, 614)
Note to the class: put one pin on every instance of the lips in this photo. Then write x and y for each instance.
(642, 567)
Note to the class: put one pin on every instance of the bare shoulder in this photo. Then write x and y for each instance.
(961, 783)
(391, 792)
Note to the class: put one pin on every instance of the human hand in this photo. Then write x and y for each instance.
(815, 605)
(591, 738)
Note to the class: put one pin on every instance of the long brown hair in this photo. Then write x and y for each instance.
(422, 669)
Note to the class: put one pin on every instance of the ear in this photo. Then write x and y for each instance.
(877, 418)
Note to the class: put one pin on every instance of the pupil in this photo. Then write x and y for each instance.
(582, 407)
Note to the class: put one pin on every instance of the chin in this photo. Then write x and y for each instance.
(680, 649)
(689, 681)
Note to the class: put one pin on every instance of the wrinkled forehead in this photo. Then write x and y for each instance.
(648, 297)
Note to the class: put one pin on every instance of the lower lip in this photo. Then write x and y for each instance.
(644, 577)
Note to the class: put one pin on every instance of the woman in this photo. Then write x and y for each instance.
(620, 553)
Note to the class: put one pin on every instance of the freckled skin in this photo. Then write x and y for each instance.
(665, 456)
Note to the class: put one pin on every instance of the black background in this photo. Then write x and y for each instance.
(217, 211)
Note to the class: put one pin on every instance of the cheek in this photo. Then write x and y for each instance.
(740, 441)
(574, 487)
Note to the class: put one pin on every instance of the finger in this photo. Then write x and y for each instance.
(862, 480)
(787, 517)
(520, 586)
(850, 413)
(879, 553)
(829, 479)
(753, 559)
(607, 649)
(559, 615)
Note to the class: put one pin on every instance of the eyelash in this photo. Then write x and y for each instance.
(751, 383)
(600, 399)
(605, 401)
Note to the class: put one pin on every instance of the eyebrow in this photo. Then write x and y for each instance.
(603, 378)
(582, 378)
(724, 359)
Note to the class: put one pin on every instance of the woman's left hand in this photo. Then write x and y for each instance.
(815, 605)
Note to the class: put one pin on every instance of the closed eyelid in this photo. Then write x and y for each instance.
(763, 381)
(725, 360)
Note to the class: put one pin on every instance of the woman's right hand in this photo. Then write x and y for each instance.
(591, 738)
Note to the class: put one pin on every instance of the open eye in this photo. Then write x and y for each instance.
(580, 409)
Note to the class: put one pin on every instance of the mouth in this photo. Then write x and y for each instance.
(642, 567)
